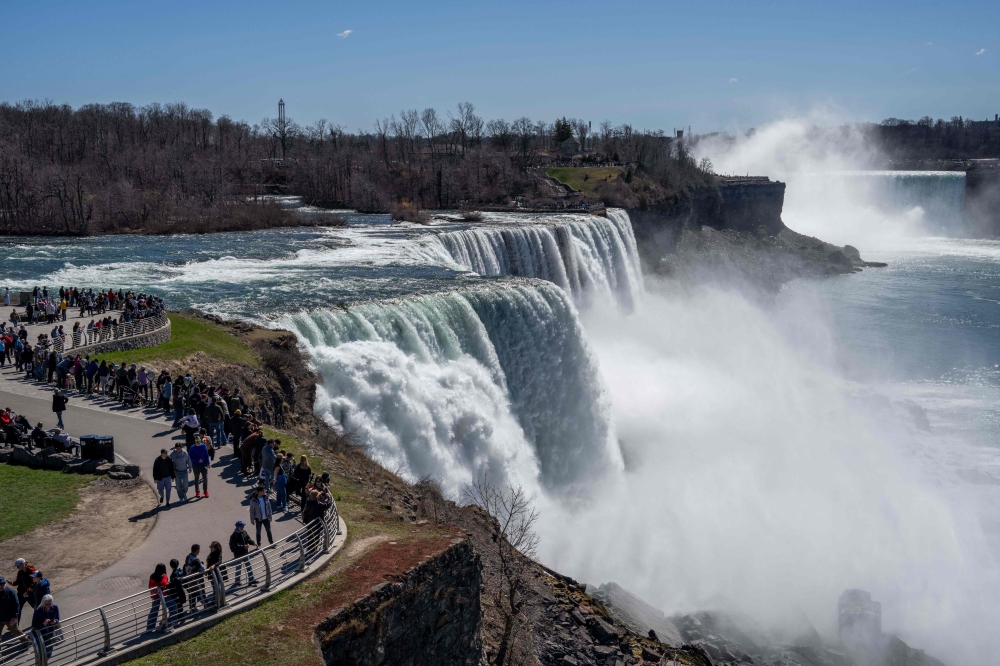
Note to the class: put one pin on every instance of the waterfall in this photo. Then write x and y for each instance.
(592, 259)
(495, 379)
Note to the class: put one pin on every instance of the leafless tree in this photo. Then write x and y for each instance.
(514, 546)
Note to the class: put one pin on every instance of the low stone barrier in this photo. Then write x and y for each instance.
(49, 459)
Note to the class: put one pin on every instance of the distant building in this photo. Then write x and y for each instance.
(569, 148)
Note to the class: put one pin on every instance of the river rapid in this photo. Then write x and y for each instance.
(703, 447)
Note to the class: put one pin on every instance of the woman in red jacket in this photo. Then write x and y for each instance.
(157, 589)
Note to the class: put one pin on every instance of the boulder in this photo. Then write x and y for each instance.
(58, 460)
(602, 631)
(47, 451)
(650, 655)
(131, 470)
(4, 455)
(73, 466)
(90, 466)
(22, 456)
(103, 469)
(120, 476)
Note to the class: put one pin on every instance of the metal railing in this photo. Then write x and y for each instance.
(92, 336)
(150, 614)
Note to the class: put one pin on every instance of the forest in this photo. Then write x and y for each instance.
(120, 168)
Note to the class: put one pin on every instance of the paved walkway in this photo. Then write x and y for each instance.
(139, 436)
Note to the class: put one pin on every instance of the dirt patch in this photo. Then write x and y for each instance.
(69, 550)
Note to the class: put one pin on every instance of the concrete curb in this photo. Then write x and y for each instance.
(190, 631)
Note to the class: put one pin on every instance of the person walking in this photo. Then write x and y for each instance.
(199, 463)
(24, 582)
(45, 621)
(182, 466)
(214, 421)
(158, 582)
(10, 609)
(239, 545)
(59, 401)
(163, 475)
(39, 588)
(260, 513)
(303, 472)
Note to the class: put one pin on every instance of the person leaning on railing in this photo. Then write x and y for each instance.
(45, 621)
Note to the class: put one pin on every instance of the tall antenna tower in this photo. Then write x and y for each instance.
(281, 111)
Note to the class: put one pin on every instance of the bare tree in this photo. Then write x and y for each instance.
(524, 133)
(514, 545)
(501, 135)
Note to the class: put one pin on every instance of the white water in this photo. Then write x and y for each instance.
(594, 259)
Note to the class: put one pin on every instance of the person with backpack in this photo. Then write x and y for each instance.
(24, 582)
(163, 475)
(193, 565)
(239, 545)
(199, 463)
(59, 401)
(175, 588)
(260, 513)
(39, 588)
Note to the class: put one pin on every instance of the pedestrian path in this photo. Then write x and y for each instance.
(139, 435)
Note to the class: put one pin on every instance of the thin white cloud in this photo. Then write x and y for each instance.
(930, 43)
(980, 51)
(344, 34)
(734, 80)
(910, 71)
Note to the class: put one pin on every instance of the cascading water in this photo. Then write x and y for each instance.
(494, 379)
(594, 258)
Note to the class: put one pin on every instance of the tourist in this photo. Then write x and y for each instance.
(280, 482)
(189, 425)
(45, 621)
(142, 382)
(24, 583)
(103, 373)
(38, 436)
(239, 545)
(166, 388)
(236, 430)
(163, 475)
(192, 566)
(214, 559)
(260, 513)
(311, 510)
(303, 472)
(182, 466)
(214, 422)
(199, 463)
(246, 450)
(268, 461)
(176, 589)
(158, 582)
(10, 609)
(59, 400)
(39, 587)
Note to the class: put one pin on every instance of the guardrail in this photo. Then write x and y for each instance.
(92, 336)
(148, 615)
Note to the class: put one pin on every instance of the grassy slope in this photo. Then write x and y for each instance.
(574, 176)
(189, 335)
(30, 498)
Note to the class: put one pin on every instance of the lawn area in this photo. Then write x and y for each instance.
(30, 498)
(187, 336)
(584, 179)
(290, 442)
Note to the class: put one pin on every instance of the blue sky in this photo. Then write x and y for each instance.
(711, 65)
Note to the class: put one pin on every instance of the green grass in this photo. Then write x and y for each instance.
(187, 336)
(584, 179)
(290, 442)
(30, 498)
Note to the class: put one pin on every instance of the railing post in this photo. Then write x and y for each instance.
(267, 571)
(107, 631)
(164, 613)
(326, 536)
(38, 643)
(220, 591)
(302, 553)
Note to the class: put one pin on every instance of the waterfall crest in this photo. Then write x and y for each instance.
(593, 258)
(495, 379)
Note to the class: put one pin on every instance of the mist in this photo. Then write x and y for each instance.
(759, 481)
(835, 190)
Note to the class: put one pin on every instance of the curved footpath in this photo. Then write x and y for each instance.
(139, 436)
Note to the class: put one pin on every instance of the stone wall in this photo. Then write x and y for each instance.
(433, 618)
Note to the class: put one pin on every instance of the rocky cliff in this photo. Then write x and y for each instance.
(433, 617)
(734, 231)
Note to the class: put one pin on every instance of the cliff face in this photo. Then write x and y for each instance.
(431, 618)
(734, 231)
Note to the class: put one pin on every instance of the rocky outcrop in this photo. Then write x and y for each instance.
(48, 458)
(636, 614)
(433, 617)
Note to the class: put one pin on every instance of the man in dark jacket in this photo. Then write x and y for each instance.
(59, 405)
(176, 588)
(10, 609)
(39, 588)
(239, 544)
(214, 419)
(163, 474)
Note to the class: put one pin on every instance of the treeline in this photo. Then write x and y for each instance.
(929, 139)
(108, 168)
